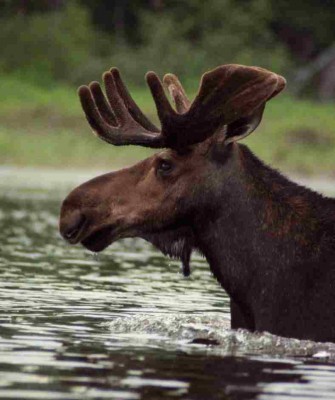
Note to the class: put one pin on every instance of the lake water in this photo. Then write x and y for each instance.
(126, 324)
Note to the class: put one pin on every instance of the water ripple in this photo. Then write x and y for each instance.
(126, 324)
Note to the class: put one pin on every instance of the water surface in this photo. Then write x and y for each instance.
(123, 325)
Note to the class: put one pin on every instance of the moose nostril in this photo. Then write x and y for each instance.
(71, 234)
(74, 226)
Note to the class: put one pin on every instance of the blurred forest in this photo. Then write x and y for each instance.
(50, 46)
(73, 41)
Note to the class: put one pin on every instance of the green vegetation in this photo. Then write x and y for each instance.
(74, 40)
(64, 45)
(61, 44)
(46, 127)
(297, 136)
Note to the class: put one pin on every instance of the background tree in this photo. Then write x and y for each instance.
(73, 40)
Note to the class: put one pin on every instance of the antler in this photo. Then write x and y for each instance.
(118, 121)
(226, 94)
(177, 92)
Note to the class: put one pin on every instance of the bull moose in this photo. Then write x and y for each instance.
(268, 241)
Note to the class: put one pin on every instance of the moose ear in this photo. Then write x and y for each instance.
(243, 126)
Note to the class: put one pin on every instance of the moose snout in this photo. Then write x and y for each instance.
(71, 225)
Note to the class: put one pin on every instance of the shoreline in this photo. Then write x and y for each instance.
(51, 178)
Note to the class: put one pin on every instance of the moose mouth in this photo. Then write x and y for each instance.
(172, 241)
(99, 240)
(176, 242)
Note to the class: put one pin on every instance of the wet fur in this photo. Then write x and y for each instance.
(271, 245)
(177, 243)
(269, 242)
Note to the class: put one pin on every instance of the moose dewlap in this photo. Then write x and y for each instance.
(268, 241)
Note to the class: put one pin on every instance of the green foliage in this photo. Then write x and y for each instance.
(186, 37)
(191, 37)
(46, 46)
(241, 34)
(76, 40)
(311, 18)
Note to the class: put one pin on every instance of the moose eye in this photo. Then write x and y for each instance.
(164, 167)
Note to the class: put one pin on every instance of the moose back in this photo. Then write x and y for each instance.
(268, 241)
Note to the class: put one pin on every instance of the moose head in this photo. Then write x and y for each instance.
(161, 198)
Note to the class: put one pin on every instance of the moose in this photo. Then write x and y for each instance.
(269, 242)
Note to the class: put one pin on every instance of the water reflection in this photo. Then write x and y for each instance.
(121, 325)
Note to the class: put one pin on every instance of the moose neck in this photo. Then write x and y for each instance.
(256, 229)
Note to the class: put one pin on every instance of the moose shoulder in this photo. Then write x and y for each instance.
(269, 242)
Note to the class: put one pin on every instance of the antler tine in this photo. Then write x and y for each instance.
(102, 104)
(115, 100)
(280, 86)
(177, 93)
(169, 118)
(163, 106)
(130, 104)
(97, 123)
(118, 121)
